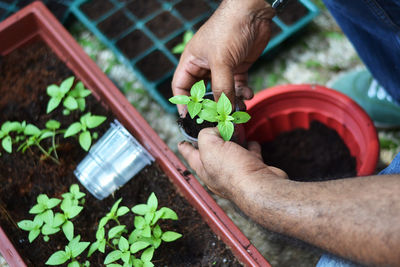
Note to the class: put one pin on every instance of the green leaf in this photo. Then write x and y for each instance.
(81, 104)
(147, 255)
(224, 106)
(146, 231)
(53, 104)
(194, 108)
(42, 199)
(45, 134)
(157, 232)
(94, 121)
(114, 207)
(73, 211)
(148, 264)
(68, 229)
(66, 85)
(226, 129)
(116, 230)
(122, 211)
(7, 144)
(152, 202)
(198, 91)
(73, 129)
(85, 140)
(73, 264)
(26, 225)
(168, 214)
(33, 235)
(113, 256)
(58, 220)
(125, 257)
(170, 236)
(48, 229)
(93, 247)
(48, 216)
(31, 129)
(100, 234)
(188, 35)
(209, 115)
(57, 258)
(79, 248)
(38, 208)
(240, 117)
(123, 244)
(140, 209)
(102, 245)
(52, 202)
(70, 103)
(138, 246)
(139, 222)
(180, 99)
(210, 105)
(53, 90)
(103, 221)
(156, 217)
(178, 49)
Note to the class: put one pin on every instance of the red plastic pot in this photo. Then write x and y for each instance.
(286, 107)
(36, 22)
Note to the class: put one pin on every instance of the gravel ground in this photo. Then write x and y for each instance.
(316, 55)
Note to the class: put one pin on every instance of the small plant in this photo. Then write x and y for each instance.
(144, 239)
(71, 252)
(71, 99)
(87, 121)
(187, 36)
(208, 110)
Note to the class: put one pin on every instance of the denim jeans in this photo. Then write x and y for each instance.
(333, 261)
(373, 27)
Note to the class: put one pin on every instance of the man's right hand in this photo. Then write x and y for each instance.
(224, 48)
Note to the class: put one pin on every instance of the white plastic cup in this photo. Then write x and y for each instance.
(111, 162)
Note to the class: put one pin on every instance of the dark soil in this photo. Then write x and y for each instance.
(174, 42)
(275, 30)
(134, 44)
(24, 75)
(155, 65)
(164, 24)
(115, 24)
(190, 9)
(315, 154)
(165, 88)
(292, 12)
(94, 9)
(191, 127)
(143, 8)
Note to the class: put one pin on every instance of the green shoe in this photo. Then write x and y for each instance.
(360, 86)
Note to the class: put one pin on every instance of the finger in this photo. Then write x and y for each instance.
(244, 92)
(255, 148)
(222, 82)
(192, 156)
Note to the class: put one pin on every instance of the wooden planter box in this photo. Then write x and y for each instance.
(35, 22)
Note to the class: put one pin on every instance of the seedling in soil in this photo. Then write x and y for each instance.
(71, 252)
(87, 121)
(71, 99)
(145, 238)
(179, 48)
(208, 110)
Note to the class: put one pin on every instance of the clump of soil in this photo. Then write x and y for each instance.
(315, 154)
(191, 127)
(24, 76)
(293, 11)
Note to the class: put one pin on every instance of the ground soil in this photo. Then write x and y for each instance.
(155, 65)
(292, 12)
(134, 43)
(165, 88)
(94, 9)
(275, 30)
(315, 154)
(190, 126)
(115, 24)
(143, 8)
(24, 75)
(190, 9)
(164, 24)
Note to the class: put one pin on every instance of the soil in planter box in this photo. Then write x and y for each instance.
(143, 8)
(134, 43)
(190, 9)
(24, 76)
(293, 12)
(315, 154)
(155, 65)
(94, 9)
(114, 25)
(164, 24)
(191, 127)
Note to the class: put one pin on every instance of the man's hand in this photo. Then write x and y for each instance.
(226, 167)
(224, 48)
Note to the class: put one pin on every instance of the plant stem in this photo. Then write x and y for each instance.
(54, 144)
(47, 154)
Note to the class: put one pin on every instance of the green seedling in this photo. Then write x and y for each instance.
(211, 111)
(194, 101)
(71, 99)
(87, 121)
(179, 48)
(6, 129)
(70, 253)
(138, 247)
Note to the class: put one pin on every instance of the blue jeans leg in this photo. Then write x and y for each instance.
(373, 27)
(333, 261)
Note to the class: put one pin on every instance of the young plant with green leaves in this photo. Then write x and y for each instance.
(208, 110)
(137, 248)
(194, 101)
(70, 253)
(5, 134)
(179, 48)
(71, 99)
(87, 122)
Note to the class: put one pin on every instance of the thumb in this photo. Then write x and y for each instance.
(222, 81)
(209, 137)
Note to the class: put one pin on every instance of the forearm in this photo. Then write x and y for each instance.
(358, 218)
